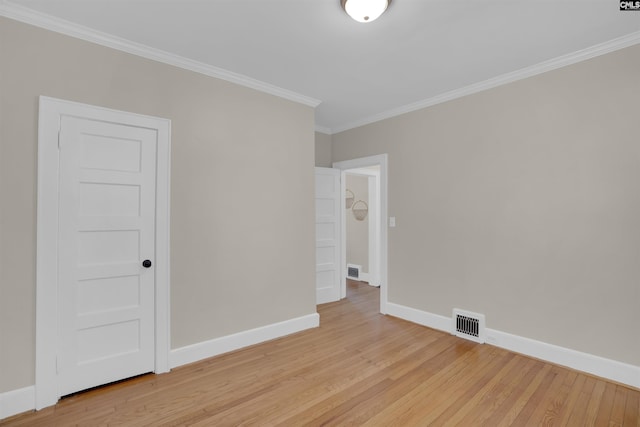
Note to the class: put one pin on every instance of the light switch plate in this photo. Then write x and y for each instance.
(392, 221)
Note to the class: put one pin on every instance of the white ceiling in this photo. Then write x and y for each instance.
(419, 50)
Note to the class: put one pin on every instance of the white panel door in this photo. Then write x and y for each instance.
(106, 231)
(327, 235)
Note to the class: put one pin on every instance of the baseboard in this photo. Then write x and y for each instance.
(21, 400)
(613, 370)
(17, 401)
(606, 368)
(420, 317)
(195, 352)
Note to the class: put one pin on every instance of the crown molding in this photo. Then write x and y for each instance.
(48, 22)
(322, 129)
(32, 17)
(543, 67)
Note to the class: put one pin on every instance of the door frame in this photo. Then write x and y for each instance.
(363, 162)
(50, 112)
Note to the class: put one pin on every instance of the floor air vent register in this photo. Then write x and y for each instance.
(353, 271)
(469, 325)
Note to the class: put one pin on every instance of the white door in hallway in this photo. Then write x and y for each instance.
(107, 199)
(328, 239)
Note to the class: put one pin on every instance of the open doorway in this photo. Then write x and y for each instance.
(362, 224)
(373, 170)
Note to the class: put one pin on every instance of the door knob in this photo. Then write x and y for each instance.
(146, 263)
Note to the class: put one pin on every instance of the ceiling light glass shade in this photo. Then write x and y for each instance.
(365, 10)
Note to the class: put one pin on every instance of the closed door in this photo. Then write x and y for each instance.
(327, 235)
(107, 185)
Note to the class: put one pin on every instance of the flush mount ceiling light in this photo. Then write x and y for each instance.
(365, 10)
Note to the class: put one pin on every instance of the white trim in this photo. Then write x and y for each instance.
(58, 25)
(195, 352)
(51, 109)
(163, 250)
(343, 235)
(363, 172)
(322, 129)
(606, 368)
(434, 321)
(542, 67)
(373, 275)
(364, 277)
(381, 160)
(22, 400)
(17, 401)
(39, 19)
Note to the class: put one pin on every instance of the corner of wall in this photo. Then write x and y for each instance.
(324, 149)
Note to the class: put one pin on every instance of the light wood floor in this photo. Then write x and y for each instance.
(358, 368)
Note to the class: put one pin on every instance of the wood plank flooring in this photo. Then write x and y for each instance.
(358, 368)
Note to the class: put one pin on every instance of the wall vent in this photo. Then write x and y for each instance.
(353, 271)
(469, 325)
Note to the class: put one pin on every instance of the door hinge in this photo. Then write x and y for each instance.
(59, 137)
(57, 364)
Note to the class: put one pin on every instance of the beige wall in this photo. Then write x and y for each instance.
(358, 231)
(522, 202)
(242, 242)
(323, 150)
